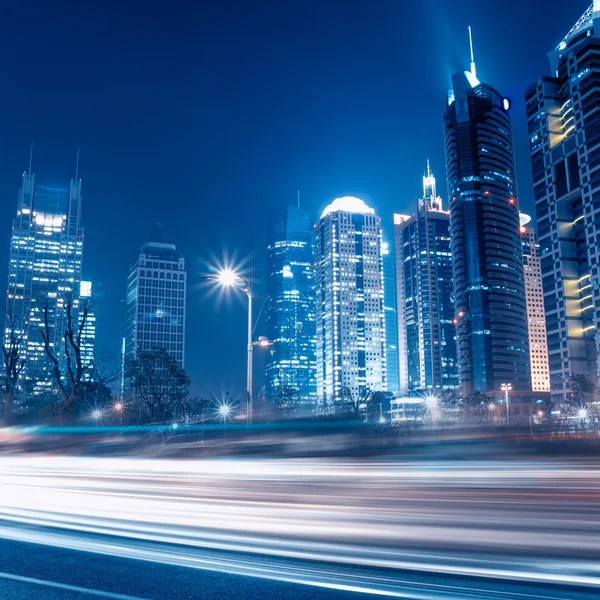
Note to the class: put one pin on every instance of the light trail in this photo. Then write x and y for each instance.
(511, 521)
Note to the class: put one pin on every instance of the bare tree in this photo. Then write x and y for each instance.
(13, 361)
(159, 386)
(67, 368)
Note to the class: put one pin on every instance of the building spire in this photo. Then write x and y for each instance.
(30, 158)
(473, 70)
(77, 165)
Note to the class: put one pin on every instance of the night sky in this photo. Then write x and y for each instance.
(204, 116)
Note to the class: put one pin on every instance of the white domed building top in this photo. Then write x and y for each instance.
(349, 204)
(524, 219)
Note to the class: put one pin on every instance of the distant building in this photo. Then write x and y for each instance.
(155, 303)
(564, 144)
(425, 295)
(489, 288)
(392, 375)
(44, 269)
(538, 343)
(351, 343)
(290, 313)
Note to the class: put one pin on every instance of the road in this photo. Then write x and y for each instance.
(282, 528)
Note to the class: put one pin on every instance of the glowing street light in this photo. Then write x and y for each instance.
(96, 414)
(119, 407)
(231, 278)
(582, 413)
(224, 411)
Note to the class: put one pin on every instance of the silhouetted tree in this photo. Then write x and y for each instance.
(582, 392)
(287, 401)
(67, 366)
(13, 363)
(159, 386)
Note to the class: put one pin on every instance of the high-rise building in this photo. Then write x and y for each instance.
(425, 295)
(350, 316)
(290, 315)
(536, 320)
(392, 370)
(564, 138)
(44, 271)
(88, 329)
(489, 287)
(155, 303)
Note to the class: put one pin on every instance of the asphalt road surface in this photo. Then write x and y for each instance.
(158, 529)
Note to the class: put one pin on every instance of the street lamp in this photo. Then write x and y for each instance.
(96, 414)
(506, 387)
(230, 278)
(119, 407)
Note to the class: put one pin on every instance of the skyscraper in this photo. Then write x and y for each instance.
(538, 343)
(155, 303)
(350, 316)
(425, 295)
(392, 376)
(44, 271)
(290, 316)
(489, 290)
(564, 138)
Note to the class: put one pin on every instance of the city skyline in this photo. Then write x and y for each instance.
(122, 179)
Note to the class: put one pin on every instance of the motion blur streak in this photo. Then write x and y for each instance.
(70, 588)
(515, 520)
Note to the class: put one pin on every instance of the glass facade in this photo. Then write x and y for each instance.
(425, 295)
(290, 316)
(564, 138)
(391, 319)
(155, 303)
(489, 288)
(351, 342)
(44, 269)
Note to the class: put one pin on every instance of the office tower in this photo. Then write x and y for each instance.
(564, 137)
(290, 314)
(538, 343)
(489, 291)
(425, 295)
(88, 329)
(155, 303)
(44, 271)
(350, 315)
(391, 319)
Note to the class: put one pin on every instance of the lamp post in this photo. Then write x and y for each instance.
(506, 387)
(232, 279)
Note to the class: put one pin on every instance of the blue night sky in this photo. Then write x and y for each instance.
(206, 115)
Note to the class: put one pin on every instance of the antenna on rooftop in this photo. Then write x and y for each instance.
(473, 70)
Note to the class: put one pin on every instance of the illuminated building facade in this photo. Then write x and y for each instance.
(351, 342)
(88, 333)
(44, 270)
(489, 288)
(155, 303)
(290, 315)
(564, 137)
(425, 295)
(536, 320)
(392, 375)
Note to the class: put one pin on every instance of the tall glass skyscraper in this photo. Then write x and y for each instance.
(425, 293)
(392, 375)
(351, 343)
(44, 269)
(155, 303)
(538, 341)
(290, 317)
(564, 138)
(489, 288)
